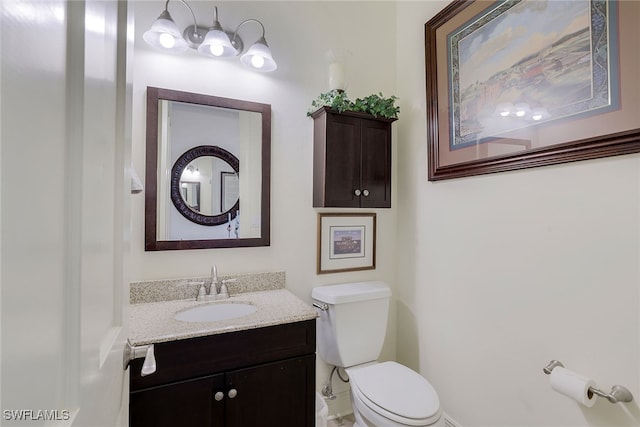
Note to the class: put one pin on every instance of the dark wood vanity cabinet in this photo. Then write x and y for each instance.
(261, 377)
(351, 160)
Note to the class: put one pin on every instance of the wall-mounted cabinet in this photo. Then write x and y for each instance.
(259, 377)
(351, 160)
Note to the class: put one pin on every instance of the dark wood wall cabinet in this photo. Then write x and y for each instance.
(351, 160)
(262, 377)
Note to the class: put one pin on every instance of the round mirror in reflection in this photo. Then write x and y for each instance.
(204, 185)
(209, 185)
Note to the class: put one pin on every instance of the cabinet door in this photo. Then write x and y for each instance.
(342, 162)
(376, 164)
(279, 394)
(188, 403)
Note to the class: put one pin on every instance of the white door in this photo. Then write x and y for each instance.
(64, 235)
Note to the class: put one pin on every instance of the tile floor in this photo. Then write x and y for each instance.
(347, 421)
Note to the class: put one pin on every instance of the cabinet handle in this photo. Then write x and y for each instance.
(357, 192)
(232, 393)
(365, 193)
(218, 396)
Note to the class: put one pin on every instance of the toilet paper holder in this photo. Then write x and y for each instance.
(618, 393)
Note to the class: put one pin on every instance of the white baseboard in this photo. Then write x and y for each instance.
(450, 422)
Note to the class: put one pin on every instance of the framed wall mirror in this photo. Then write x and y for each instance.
(197, 186)
(207, 171)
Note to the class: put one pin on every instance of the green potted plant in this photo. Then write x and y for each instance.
(376, 104)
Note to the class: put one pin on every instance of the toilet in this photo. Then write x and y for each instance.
(351, 328)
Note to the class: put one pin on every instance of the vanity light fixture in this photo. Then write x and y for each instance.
(191, 173)
(214, 41)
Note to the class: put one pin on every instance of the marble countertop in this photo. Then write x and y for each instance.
(154, 322)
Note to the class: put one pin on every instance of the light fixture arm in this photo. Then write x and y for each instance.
(215, 15)
(193, 15)
(191, 33)
(235, 33)
(216, 23)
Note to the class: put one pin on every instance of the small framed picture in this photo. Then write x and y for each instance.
(346, 242)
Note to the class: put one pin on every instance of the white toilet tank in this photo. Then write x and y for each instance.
(352, 330)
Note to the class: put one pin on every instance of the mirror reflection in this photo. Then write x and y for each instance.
(198, 180)
(215, 179)
(198, 192)
(190, 192)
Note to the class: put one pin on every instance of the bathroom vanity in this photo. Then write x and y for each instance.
(255, 370)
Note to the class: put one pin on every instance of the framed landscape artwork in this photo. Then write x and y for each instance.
(346, 242)
(522, 83)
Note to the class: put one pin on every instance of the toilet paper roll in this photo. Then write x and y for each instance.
(573, 385)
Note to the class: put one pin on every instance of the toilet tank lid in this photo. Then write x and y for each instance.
(351, 292)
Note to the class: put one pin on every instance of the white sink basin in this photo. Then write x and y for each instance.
(214, 312)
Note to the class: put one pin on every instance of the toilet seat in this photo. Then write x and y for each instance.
(395, 392)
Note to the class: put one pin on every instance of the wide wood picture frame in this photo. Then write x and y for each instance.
(495, 106)
(346, 242)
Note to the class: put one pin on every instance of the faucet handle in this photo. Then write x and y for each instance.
(224, 291)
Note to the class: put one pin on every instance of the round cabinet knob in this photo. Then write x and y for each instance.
(232, 393)
(357, 192)
(365, 193)
(218, 396)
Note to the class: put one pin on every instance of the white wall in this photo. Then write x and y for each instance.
(499, 274)
(299, 34)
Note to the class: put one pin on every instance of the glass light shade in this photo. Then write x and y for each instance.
(258, 57)
(216, 43)
(165, 35)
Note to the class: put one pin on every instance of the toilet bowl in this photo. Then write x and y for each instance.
(351, 327)
(391, 395)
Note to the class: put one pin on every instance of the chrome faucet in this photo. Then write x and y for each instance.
(218, 289)
(215, 285)
(215, 289)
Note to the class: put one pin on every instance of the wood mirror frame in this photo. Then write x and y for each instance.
(154, 95)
